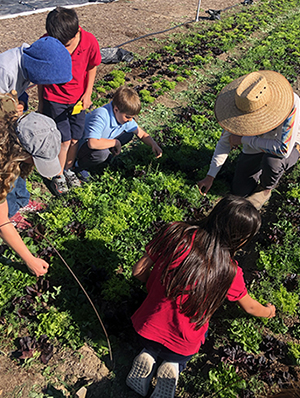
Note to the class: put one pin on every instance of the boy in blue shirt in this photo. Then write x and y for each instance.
(110, 127)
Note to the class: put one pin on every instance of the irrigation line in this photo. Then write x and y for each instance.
(79, 283)
(154, 33)
(174, 27)
(84, 291)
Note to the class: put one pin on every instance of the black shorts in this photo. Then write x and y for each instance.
(70, 126)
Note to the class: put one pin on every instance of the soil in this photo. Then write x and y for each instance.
(112, 24)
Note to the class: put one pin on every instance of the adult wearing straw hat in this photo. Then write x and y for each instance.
(260, 112)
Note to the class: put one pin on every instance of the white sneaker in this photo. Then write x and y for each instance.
(167, 377)
(141, 373)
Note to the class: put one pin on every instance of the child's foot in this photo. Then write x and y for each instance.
(20, 222)
(32, 207)
(59, 185)
(83, 175)
(141, 373)
(72, 179)
(167, 376)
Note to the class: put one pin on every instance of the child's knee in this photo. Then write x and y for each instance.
(74, 142)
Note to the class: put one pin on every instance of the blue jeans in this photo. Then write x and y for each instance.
(18, 197)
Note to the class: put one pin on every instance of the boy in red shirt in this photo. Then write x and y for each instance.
(59, 100)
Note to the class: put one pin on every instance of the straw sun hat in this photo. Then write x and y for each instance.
(255, 103)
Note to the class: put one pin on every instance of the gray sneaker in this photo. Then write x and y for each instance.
(141, 373)
(59, 185)
(72, 179)
(167, 376)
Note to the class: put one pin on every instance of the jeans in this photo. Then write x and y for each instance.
(18, 197)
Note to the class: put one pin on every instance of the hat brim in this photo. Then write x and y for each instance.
(262, 120)
(47, 168)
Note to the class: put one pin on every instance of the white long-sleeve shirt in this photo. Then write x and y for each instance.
(279, 142)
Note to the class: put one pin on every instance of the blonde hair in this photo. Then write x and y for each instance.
(12, 156)
(127, 100)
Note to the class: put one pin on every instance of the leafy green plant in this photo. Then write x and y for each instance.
(294, 352)
(246, 333)
(146, 96)
(225, 382)
(57, 324)
(286, 301)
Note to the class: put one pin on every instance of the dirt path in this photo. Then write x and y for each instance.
(114, 23)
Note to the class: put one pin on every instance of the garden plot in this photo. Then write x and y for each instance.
(101, 229)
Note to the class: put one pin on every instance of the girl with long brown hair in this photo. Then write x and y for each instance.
(189, 270)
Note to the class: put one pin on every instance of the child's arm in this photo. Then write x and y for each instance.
(105, 143)
(148, 140)
(10, 235)
(253, 307)
(86, 98)
(142, 269)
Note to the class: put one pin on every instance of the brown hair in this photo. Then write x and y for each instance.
(127, 100)
(12, 156)
(287, 393)
(203, 278)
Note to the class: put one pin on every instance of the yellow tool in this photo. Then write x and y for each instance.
(77, 108)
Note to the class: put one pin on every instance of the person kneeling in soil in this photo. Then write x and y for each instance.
(189, 269)
(261, 112)
(110, 127)
(31, 139)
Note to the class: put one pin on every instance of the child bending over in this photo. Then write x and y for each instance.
(110, 127)
(189, 269)
(30, 140)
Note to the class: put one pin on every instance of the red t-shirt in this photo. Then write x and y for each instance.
(84, 57)
(158, 318)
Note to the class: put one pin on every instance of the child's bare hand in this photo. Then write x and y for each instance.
(86, 101)
(38, 266)
(272, 310)
(116, 150)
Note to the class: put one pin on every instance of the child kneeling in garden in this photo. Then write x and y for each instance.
(110, 127)
(193, 272)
